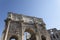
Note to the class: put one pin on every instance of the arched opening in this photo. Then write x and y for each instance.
(43, 37)
(29, 35)
(13, 38)
(53, 36)
(57, 36)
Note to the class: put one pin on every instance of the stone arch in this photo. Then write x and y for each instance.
(13, 37)
(43, 37)
(31, 31)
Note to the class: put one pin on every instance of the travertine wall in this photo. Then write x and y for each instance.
(54, 34)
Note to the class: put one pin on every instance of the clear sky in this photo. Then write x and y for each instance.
(49, 10)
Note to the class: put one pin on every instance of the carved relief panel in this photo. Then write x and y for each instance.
(28, 19)
(14, 27)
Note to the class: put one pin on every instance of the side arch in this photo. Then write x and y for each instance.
(43, 37)
(14, 37)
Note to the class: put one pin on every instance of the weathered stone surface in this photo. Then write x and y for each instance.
(54, 34)
(17, 24)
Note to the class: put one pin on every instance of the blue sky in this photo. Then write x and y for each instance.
(49, 10)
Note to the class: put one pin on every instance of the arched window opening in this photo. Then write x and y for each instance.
(57, 36)
(52, 32)
(43, 37)
(53, 36)
(13, 38)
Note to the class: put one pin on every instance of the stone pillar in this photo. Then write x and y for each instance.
(7, 30)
